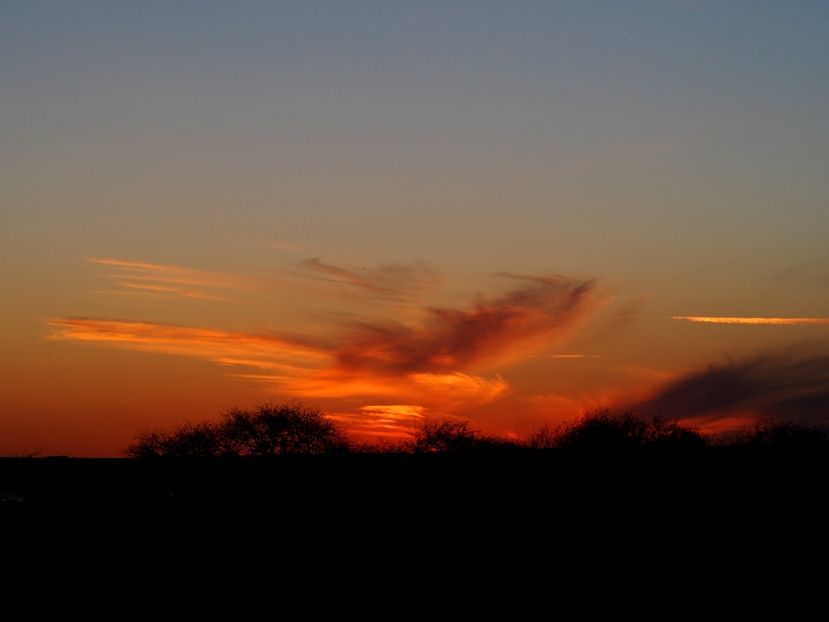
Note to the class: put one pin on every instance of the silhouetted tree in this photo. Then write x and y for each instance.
(268, 430)
(278, 429)
(784, 435)
(149, 444)
(444, 436)
(602, 430)
(666, 434)
(545, 437)
(455, 436)
(192, 440)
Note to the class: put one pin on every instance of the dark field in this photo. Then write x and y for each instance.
(554, 487)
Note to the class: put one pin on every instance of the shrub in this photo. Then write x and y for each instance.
(602, 430)
(784, 435)
(268, 430)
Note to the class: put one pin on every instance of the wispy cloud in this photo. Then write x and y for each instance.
(785, 385)
(492, 330)
(162, 289)
(141, 277)
(434, 361)
(763, 321)
(220, 346)
(394, 281)
(390, 421)
(449, 391)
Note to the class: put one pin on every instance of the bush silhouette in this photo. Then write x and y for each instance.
(602, 430)
(294, 429)
(444, 436)
(784, 435)
(666, 434)
(199, 440)
(545, 437)
(273, 430)
(454, 437)
(268, 430)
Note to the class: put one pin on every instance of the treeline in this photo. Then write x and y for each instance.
(295, 429)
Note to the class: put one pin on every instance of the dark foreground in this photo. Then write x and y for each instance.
(590, 518)
(553, 487)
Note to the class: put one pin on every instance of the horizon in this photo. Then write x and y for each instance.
(395, 213)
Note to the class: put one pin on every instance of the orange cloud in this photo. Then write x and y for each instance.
(491, 331)
(215, 345)
(393, 282)
(390, 421)
(769, 321)
(168, 280)
(449, 392)
(433, 361)
(155, 289)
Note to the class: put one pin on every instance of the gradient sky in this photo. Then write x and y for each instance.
(507, 212)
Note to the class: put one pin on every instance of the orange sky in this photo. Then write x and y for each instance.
(388, 353)
(378, 373)
(510, 213)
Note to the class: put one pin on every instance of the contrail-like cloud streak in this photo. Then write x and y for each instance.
(762, 321)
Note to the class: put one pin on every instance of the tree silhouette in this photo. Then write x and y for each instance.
(454, 437)
(191, 440)
(784, 435)
(444, 436)
(268, 430)
(279, 429)
(545, 437)
(667, 434)
(602, 430)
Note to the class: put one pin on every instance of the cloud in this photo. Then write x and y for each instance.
(434, 361)
(152, 279)
(220, 346)
(139, 288)
(775, 385)
(393, 281)
(449, 391)
(391, 421)
(490, 331)
(764, 321)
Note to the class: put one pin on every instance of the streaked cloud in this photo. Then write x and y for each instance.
(785, 385)
(491, 331)
(395, 281)
(768, 321)
(392, 282)
(434, 361)
(156, 289)
(390, 421)
(141, 277)
(220, 346)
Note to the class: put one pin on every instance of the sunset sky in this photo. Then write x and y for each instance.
(504, 212)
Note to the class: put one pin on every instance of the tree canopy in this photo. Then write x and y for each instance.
(268, 430)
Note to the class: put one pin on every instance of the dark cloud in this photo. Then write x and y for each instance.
(778, 385)
(453, 339)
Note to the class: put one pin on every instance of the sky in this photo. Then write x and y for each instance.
(510, 213)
